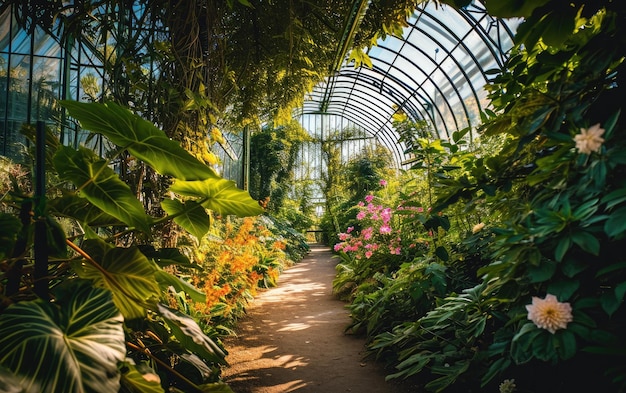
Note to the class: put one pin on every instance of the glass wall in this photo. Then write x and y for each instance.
(31, 82)
(346, 136)
(38, 70)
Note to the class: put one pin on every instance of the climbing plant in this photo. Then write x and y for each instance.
(273, 156)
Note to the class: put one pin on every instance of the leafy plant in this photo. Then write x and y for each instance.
(116, 307)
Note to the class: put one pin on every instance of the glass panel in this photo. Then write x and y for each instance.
(45, 45)
(46, 89)
(5, 26)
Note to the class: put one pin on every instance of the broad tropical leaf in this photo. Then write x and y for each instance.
(166, 279)
(71, 345)
(129, 275)
(141, 138)
(167, 256)
(190, 215)
(223, 196)
(99, 184)
(140, 378)
(10, 383)
(191, 336)
(73, 206)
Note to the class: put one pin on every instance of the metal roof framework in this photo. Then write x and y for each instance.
(435, 72)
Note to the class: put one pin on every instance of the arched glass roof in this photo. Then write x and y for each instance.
(435, 72)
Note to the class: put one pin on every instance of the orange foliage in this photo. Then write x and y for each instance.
(233, 265)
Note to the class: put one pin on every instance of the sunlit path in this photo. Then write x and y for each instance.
(292, 339)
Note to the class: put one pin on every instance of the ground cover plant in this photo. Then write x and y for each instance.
(529, 295)
(92, 299)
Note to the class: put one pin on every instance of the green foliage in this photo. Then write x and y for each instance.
(107, 308)
(100, 185)
(141, 138)
(146, 142)
(71, 345)
(549, 212)
(350, 183)
(219, 195)
(273, 155)
(126, 272)
(444, 342)
(384, 301)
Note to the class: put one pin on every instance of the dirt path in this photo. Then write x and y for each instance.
(292, 339)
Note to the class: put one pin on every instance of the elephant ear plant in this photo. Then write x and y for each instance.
(102, 322)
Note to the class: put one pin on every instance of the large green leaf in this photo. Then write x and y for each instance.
(615, 226)
(125, 271)
(73, 206)
(167, 256)
(141, 138)
(141, 378)
(71, 345)
(191, 336)
(99, 184)
(190, 215)
(166, 279)
(559, 26)
(222, 196)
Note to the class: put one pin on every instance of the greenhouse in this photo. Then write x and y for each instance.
(456, 164)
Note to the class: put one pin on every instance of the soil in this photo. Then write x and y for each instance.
(292, 339)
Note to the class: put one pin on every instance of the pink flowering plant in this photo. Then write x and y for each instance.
(376, 235)
(373, 244)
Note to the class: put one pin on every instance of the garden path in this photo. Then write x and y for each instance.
(292, 339)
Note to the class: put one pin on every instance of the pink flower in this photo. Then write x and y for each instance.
(360, 215)
(350, 229)
(385, 215)
(384, 229)
(338, 247)
(367, 233)
(369, 198)
(361, 204)
(368, 254)
(343, 236)
(383, 182)
(549, 313)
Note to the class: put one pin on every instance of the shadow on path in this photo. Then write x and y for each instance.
(292, 339)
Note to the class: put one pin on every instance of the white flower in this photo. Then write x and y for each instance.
(589, 139)
(507, 386)
(549, 313)
(478, 227)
